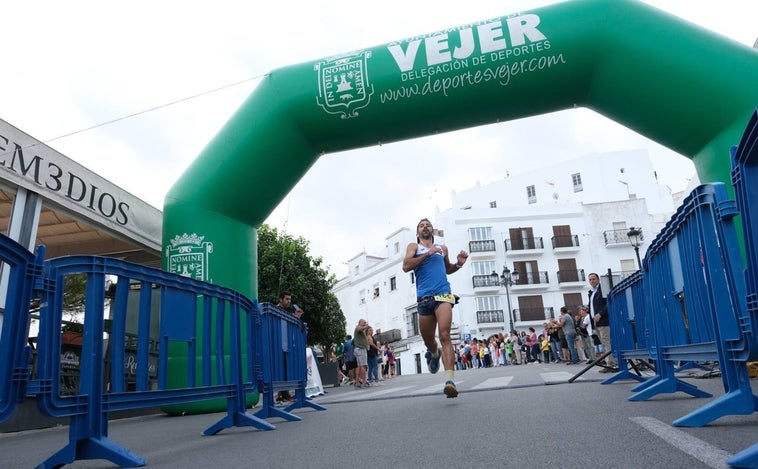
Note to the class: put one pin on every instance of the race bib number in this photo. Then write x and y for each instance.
(446, 298)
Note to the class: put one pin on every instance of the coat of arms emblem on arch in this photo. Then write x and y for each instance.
(343, 84)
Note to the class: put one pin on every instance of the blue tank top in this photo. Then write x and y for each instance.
(431, 277)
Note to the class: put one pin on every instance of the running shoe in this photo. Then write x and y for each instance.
(432, 362)
(450, 390)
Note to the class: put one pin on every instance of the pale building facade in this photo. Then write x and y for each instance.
(554, 226)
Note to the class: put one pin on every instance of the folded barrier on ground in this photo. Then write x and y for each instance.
(150, 338)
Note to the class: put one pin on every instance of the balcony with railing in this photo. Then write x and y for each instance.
(534, 314)
(490, 316)
(482, 247)
(530, 246)
(619, 275)
(565, 243)
(570, 277)
(485, 282)
(532, 280)
(614, 238)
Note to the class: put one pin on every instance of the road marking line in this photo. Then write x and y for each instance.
(500, 382)
(360, 394)
(437, 388)
(695, 447)
(557, 377)
(386, 391)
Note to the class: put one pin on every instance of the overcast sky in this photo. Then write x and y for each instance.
(69, 66)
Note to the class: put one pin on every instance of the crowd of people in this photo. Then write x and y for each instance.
(577, 336)
(568, 339)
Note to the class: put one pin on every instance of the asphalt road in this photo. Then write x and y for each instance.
(525, 416)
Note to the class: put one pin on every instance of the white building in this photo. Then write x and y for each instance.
(554, 226)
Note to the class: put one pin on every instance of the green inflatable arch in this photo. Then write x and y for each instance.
(680, 85)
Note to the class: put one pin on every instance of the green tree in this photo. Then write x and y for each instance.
(74, 295)
(285, 265)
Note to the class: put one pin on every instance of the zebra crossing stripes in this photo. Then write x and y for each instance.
(556, 377)
(436, 388)
(500, 382)
(390, 391)
(363, 394)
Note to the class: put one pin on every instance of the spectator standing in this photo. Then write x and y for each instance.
(333, 358)
(385, 363)
(545, 331)
(380, 360)
(483, 352)
(503, 349)
(467, 359)
(578, 337)
(494, 351)
(510, 349)
(390, 361)
(360, 348)
(545, 348)
(486, 348)
(350, 362)
(462, 365)
(566, 322)
(284, 302)
(372, 354)
(565, 353)
(555, 342)
(524, 347)
(534, 346)
(515, 343)
(339, 355)
(599, 315)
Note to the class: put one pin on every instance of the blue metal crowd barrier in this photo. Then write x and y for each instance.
(745, 183)
(693, 295)
(218, 330)
(694, 301)
(284, 368)
(630, 333)
(21, 268)
(695, 292)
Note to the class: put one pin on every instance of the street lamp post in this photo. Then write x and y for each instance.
(507, 279)
(635, 238)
